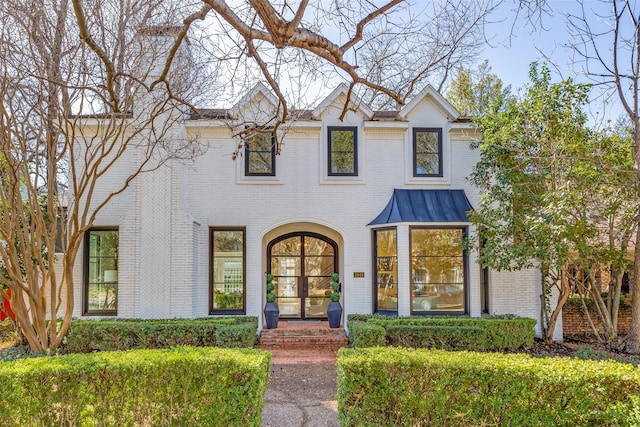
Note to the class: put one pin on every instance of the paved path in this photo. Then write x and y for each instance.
(301, 392)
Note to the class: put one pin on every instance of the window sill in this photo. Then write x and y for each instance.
(259, 180)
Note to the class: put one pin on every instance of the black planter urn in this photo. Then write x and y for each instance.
(334, 312)
(271, 315)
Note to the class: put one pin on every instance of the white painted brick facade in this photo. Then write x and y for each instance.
(166, 218)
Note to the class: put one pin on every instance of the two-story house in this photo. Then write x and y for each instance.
(380, 197)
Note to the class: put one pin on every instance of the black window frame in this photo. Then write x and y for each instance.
(331, 129)
(465, 275)
(376, 287)
(248, 152)
(438, 131)
(227, 311)
(85, 281)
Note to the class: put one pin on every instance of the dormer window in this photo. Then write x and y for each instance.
(427, 152)
(343, 151)
(260, 155)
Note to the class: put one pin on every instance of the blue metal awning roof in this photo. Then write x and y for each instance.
(425, 206)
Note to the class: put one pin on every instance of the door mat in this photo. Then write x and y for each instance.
(302, 322)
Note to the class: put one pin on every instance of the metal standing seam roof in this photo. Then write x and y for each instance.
(425, 206)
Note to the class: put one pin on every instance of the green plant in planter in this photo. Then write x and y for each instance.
(335, 296)
(271, 297)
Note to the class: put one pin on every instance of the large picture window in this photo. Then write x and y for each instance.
(438, 270)
(386, 269)
(101, 272)
(427, 152)
(260, 155)
(227, 271)
(343, 151)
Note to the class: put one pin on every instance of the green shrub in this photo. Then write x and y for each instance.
(242, 335)
(181, 386)
(86, 336)
(366, 335)
(500, 334)
(405, 387)
(437, 337)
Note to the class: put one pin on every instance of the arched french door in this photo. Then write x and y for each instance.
(302, 264)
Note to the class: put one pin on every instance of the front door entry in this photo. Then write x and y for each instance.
(302, 264)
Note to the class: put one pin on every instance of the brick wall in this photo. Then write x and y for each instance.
(575, 323)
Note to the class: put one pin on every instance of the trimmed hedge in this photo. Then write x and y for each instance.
(404, 387)
(87, 336)
(500, 333)
(179, 386)
(441, 337)
(363, 334)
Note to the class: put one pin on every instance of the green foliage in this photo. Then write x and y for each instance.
(575, 303)
(335, 286)
(468, 333)
(180, 386)
(438, 337)
(404, 387)
(242, 335)
(473, 93)
(271, 297)
(548, 182)
(106, 335)
(362, 334)
(588, 353)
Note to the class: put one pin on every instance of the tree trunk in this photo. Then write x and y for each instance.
(633, 338)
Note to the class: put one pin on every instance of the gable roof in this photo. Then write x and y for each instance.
(355, 102)
(425, 206)
(439, 101)
(258, 89)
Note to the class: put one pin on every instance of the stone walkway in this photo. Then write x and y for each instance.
(302, 383)
(301, 395)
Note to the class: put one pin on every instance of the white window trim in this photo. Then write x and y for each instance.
(325, 178)
(445, 179)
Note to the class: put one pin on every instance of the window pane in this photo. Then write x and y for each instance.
(342, 140)
(342, 151)
(427, 142)
(102, 277)
(228, 270)
(290, 246)
(342, 162)
(285, 266)
(437, 270)
(313, 246)
(386, 243)
(227, 241)
(433, 242)
(427, 146)
(386, 262)
(427, 164)
(260, 155)
(260, 162)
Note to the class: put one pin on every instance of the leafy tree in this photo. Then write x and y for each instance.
(536, 171)
(474, 93)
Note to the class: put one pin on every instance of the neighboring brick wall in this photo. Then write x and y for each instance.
(575, 323)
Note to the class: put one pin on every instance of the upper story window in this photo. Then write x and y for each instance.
(260, 155)
(427, 152)
(101, 272)
(343, 151)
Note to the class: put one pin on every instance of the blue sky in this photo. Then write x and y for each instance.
(514, 45)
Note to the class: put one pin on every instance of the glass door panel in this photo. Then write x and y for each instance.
(302, 266)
